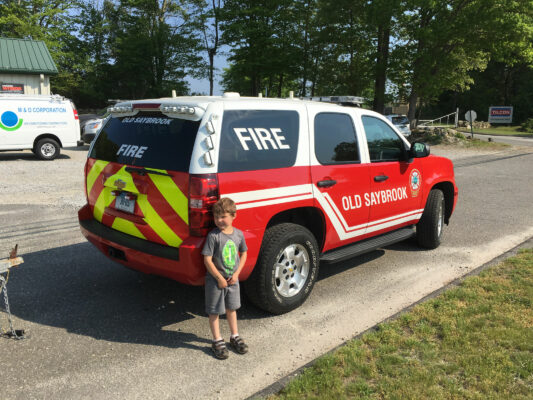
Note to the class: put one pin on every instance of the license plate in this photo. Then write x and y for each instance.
(124, 204)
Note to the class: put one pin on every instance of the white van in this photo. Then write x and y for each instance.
(40, 123)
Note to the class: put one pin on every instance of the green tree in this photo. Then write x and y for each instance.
(52, 22)
(208, 19)
(154, 47)
(264, 38)
(442, 43)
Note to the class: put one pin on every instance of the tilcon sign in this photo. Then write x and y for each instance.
(500, 114)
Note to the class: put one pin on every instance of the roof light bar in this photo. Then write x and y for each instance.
(177, 109)
(120, 109)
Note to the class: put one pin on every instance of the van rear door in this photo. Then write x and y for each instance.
(137, 176)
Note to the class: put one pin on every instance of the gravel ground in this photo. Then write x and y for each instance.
(60, 183)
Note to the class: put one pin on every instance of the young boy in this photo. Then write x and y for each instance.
(221, 258)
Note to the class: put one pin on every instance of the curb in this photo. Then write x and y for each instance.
(280, 384)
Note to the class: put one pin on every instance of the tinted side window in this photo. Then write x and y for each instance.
(258, 139)
(335, 140)
(147, 139)
(383, 143)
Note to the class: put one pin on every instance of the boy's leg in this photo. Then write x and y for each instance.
(235, 340)
(231, 316)
(215, 326)
(218, 346)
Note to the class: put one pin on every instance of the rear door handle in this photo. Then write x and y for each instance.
(325, 184)
(381, 178)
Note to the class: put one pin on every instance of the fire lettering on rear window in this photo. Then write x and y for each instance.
(130, 150)
(261, 138)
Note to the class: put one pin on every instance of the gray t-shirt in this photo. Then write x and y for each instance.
(225, 250)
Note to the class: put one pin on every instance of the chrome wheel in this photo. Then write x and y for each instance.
(440, 217)
(48, 150)
(291, 270)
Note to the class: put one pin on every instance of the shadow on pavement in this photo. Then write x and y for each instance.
(78, 289)
(26, 155)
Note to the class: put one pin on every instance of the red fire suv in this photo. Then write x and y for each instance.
(314, 183)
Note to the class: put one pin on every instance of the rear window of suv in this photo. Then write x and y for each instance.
(258, 139)
(147, 139)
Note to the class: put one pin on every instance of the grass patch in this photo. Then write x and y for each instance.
(500, 130)
(473, 342)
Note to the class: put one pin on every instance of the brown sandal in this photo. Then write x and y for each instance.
(220, 350)
(238, 344)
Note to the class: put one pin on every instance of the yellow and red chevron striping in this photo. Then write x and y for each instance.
(161, 202)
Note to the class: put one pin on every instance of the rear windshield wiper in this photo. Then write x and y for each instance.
(144, 171)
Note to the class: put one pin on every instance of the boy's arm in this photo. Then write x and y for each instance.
(212, 269)
(235, 277)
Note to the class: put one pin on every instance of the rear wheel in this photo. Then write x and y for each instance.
(46, 149)
(286, 269)
(429, 228)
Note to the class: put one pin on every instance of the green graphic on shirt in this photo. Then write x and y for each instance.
(229, 254)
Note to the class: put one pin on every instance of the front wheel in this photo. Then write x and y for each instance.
(429, 228)
(46, 149)
(286, 269)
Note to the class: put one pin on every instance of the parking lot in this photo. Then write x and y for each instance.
(98, 330)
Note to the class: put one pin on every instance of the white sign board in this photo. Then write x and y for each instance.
(500, 114)
(470, 116)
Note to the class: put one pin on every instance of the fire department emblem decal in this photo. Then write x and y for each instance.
(120, 184)
(414, 181)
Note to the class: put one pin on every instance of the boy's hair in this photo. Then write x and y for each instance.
(223, 206)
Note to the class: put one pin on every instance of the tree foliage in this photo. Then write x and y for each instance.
(420, 51)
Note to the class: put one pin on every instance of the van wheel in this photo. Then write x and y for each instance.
(46, 149)
(286, 269)
(429, 228)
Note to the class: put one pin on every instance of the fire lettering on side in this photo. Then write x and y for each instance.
(261, 138)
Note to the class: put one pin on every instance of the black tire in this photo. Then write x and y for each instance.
(278, 284)
(47, 149)
(429, 228)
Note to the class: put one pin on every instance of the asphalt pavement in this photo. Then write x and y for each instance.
(98, 330)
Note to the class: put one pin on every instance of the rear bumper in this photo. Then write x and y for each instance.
(183, 264)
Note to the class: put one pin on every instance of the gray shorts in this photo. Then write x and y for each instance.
(217, 301)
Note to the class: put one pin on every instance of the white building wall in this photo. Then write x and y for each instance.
(32, 83)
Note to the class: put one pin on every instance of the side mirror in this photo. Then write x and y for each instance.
(419, 150)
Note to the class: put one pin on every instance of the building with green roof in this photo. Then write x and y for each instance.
(25, 66)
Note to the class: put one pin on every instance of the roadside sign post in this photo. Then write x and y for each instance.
(471, 116)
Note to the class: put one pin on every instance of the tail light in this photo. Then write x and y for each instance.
(85, 171)
(76, 116)
(203, 193)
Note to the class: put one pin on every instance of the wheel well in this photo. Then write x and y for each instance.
(309, 217)
(447, 190)
(47, 136)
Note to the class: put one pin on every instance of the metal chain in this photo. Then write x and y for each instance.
(3, 287)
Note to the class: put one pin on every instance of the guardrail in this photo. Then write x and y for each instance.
(431, 122)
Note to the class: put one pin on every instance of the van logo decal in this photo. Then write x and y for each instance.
(9, 121)
(120, 184)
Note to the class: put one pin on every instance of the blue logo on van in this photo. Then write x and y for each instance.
(9, 121)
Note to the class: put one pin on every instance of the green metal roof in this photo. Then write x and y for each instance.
(22, 56)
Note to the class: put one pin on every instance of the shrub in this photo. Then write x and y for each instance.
(527, 126)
